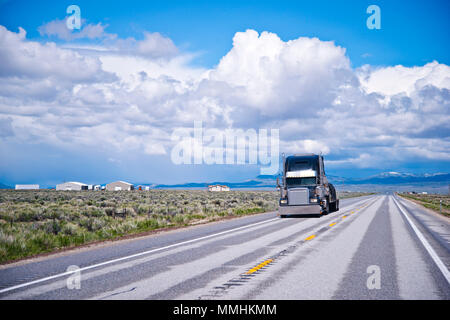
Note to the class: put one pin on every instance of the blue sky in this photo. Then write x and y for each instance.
(200, 34)
(412, 33)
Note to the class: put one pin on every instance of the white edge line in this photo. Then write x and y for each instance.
(425, 243)
(129, 257)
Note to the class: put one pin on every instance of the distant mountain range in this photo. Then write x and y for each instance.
(382, 181)
(258, 182)
(395, 178)
(385, 178)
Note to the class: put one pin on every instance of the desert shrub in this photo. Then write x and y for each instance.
(148, 224)
(53, 227)
(179, 219)
(42, 220)
(69, 229)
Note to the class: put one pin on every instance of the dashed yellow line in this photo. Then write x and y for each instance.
(265, 263)
(259, 266)
(310, 237)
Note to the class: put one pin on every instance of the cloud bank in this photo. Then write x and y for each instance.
(128, 95)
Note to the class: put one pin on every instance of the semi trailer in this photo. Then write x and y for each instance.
(304, 189)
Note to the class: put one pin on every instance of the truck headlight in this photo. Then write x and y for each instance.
(313, 200)
(317, 191)
(283, 201)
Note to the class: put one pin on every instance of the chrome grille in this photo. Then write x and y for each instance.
(298, 196)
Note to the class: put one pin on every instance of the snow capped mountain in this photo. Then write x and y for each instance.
(401, 178)
(393, 174)
(404, 174)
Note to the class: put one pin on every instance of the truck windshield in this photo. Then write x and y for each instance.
(302, 164)
(295, 182)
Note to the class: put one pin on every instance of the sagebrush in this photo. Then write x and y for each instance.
(36, 221)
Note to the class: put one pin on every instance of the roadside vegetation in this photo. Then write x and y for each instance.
(431, 201)
(33, 222)
(39, 221)
(351, 194)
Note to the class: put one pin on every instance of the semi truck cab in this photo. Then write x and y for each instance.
(305, 189)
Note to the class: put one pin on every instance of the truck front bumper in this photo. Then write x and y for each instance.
(299, 210)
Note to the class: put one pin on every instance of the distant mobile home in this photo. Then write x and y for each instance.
(73, 186)
(218, 188)
(119, 185)
(27, 187)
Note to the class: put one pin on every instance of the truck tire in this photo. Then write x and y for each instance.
(332, 207)
(327, 209)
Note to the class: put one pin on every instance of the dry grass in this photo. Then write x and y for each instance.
(33, 222)
(349, 194)
(431, 201)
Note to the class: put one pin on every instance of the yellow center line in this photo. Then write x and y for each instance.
(267, 262)
(259, 266)
(263, 264)
(310, 237)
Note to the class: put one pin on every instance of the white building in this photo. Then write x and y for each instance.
(72, 185)
(119, 185)
(218, 187)
(27, 187)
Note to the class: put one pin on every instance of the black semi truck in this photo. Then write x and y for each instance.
(305, 189)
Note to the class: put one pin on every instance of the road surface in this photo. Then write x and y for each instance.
(374, 247)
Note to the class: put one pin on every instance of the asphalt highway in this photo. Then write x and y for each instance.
(374, 247)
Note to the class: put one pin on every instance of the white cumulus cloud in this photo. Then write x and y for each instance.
(128, 95)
